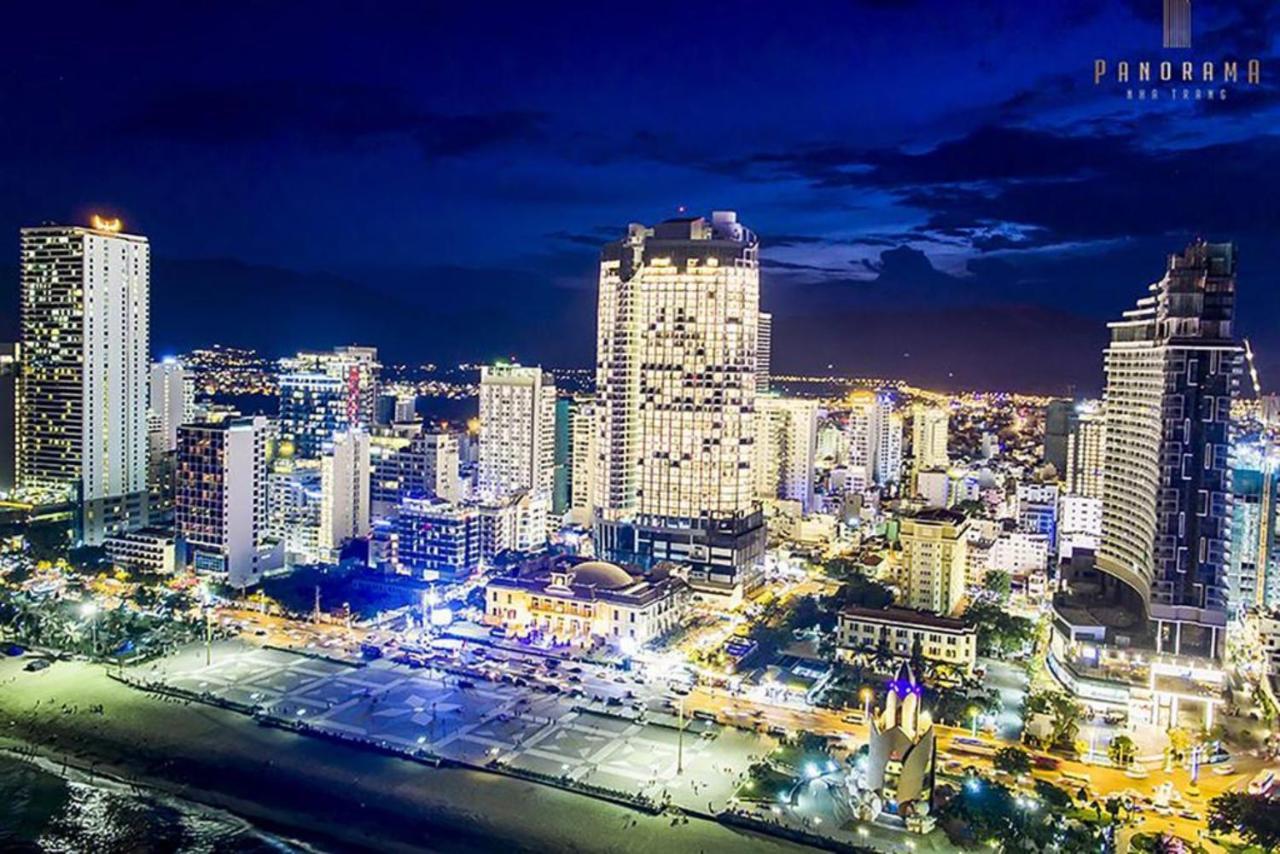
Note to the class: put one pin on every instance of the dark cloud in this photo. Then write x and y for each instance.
(321, 114)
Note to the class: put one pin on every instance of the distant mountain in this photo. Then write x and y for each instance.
(989, 347)
(452, 314)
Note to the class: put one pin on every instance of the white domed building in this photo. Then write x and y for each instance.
(587, 602)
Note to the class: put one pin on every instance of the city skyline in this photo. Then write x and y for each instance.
(700, 428)
(893, 215)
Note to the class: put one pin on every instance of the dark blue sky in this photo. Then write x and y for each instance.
(941, 191)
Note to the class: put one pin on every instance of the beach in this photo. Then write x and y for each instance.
(332, 796)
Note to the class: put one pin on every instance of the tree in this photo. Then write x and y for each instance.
(1254, 817)
(1066, 720)
(999, 634)
(1054, 798)
(917, 656)
(1013, 760)
(1179, 742)
(998, 585)
(1122, 750)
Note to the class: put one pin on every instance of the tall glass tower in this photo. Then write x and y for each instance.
(1172, 370)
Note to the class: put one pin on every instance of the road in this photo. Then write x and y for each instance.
(594, 682)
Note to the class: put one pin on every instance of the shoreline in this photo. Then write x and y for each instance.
(318, 792)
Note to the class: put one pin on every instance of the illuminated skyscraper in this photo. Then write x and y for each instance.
(313, 407)
(9, 364)
(517, 431)
(1086, 452)
(676, 362)
(875, 440)
(583, 453)
(356, 368)
(929, 437)
(786, 446)
(764, 351)
(344, 483)
(82, 410)
(220, 511)
(1172, 369)
(1253, 574)
(172, 399)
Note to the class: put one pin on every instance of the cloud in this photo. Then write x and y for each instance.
(321, 114)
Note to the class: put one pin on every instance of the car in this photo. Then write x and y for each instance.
(260, 633)
(1189, 815)
(854, 718)
(613, 701)
(1224, 770)
(36, 665)
(13, 650)
(466, 684)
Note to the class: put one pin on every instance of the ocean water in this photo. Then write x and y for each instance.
(43, 810)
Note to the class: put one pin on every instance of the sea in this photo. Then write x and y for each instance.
(44, 809)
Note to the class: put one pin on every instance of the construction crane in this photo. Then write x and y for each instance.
(1253, 369)
(1268, 476)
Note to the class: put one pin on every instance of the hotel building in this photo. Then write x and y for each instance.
(786, 449)
(82, 386)
(220, 509)
(929, 437)
(676, 359)
(344, 487)
(517, 431)
(934, 559)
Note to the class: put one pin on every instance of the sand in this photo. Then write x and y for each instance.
(337, 796)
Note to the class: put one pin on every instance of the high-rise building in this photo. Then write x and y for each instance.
(561, 471)
(9, 366)
(1253, 571)
(583, 453)
(1059, 418)
(1172, 368)
(786, 445)
(676, 358)
(172, 399)
(934, 559)
(1086, 452)
(344, 483)
(517, 431)
(764, 351)
(356, 368)
(313, 407)
(1079, 524)
(294, 495)
(82, 391)
(220, 510)
(929, 437)
(424, 466)
(875, 440)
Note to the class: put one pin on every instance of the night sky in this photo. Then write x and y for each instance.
(941, 191)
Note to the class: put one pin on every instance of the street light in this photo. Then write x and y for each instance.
(866, 694)
(973, 713)
(680, 738)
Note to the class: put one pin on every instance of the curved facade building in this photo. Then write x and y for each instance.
(1172, 369)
